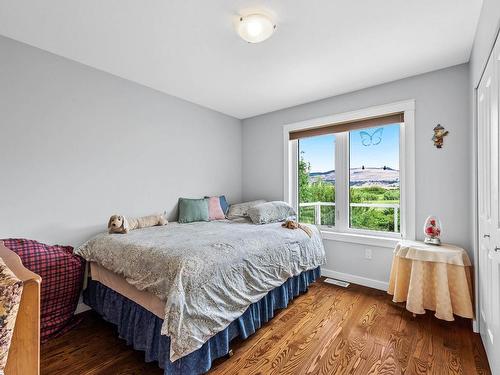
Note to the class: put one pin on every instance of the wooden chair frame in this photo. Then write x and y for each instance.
(24, 352)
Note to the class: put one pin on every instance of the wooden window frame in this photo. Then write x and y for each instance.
(348, 126)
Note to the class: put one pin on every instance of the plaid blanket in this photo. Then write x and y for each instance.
(62, 278)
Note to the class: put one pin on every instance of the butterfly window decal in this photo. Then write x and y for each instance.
(372, 139)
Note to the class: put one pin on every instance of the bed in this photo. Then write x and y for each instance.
(182, 292)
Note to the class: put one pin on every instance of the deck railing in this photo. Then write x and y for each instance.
(317, 209)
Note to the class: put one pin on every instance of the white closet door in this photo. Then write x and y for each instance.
(488, 100)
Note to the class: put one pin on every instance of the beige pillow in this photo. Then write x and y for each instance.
(271, 212)
(241, 209)
(11, 289)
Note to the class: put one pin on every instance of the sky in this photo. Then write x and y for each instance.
(372, 147)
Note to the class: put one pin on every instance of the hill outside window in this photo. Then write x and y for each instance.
(354, 175)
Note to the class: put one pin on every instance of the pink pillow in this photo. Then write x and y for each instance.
(214, 209)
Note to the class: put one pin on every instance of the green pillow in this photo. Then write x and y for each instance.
(191, 210)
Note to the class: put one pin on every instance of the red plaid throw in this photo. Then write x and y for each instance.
(62, 279)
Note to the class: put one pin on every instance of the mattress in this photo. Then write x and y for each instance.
(116, 282)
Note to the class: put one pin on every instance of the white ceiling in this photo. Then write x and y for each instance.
(188, 48)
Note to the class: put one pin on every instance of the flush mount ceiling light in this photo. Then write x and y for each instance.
(255, 28)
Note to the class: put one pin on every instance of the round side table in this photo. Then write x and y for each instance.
(429, 277)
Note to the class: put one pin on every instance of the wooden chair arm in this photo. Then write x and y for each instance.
(24, 352)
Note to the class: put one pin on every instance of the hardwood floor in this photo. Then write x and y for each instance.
(328, 330)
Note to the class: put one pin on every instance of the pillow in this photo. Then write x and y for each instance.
(62, 280)
(214, 209)
(191, 210)
(223, 203)
(271, 212)
(10, 297)
(241, 209)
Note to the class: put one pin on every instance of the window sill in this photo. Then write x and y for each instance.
(361, 239)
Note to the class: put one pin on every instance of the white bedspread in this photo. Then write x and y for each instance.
(207, 273)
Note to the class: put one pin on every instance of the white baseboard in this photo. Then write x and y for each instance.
(81, 307)
(371, 283)
(475, 326)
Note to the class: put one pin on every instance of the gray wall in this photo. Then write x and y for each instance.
(78, 145)
(442, 176)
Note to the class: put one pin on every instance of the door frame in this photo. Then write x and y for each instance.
(475, 205)
(475, 178)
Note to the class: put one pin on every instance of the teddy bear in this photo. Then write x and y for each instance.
(122, 224)
(439, 134)
(292, 224)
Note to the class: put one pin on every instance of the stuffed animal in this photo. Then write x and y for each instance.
(439, 134)
(122, 224)
(291, 224)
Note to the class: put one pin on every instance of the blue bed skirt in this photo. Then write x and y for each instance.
(141, 328)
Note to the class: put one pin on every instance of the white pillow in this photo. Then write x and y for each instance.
(241, 209)
(271, 212)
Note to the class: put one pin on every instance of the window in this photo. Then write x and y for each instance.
(374, 179)
(354, 172)
(316, 180)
